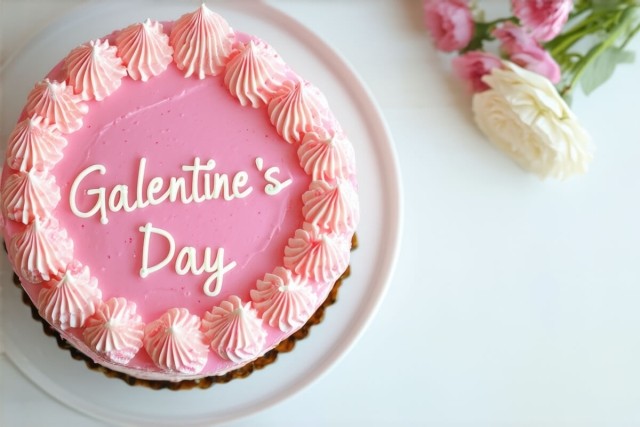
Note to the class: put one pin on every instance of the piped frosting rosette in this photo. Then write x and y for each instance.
(242, 326)
(29, 195)
(175, 343)
(94, 70)
(202, 42)
(234, 330)
(283, 299)
(57, 104)
(254, 72)
(144, 50)
(41, 251)
(115, 330)
(34, 144)
(326, 155)
(70, 298)
(296, 108)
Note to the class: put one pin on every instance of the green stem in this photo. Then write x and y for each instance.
(580, 6)
(623, 21)
(495, 22)
(595, 21)
(630, 36)
(482, 33)
(564, 42)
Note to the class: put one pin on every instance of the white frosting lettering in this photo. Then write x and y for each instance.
(100, 192)
(155, 186)
(145, 270)
(274, 185)
(195, 170)
(118, 199)
(186, 262)
(139, 184)
(179, 188)
(220, 186)
(240, 180)
(178, 185)
(204, 185)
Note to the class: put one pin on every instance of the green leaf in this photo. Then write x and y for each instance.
(602, 67)
(599, 5)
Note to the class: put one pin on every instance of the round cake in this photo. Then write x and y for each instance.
(177, 200)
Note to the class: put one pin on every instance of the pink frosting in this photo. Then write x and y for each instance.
(41, 251)
(147, 131)
(57, 104)
(68, 301)
(316, 256)
(202, 41)
(34, 144)
(29, 195)
(234, 330)
(326, 155)
(94, 70)
(144, 50)
(332, 207)
(254, 72)
(296, 108)
(115, 330)
(174, 342)
(283, 300)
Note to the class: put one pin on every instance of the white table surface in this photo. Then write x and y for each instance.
(515, 301)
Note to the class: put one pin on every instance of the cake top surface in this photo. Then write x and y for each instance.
(177, 199)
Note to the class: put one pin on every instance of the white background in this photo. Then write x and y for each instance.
(515, 301)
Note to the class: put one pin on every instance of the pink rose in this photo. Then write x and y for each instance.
(543, 18)
(539, 61)
(526, 52)
(513, 38)
(472, 66)
(450, 23)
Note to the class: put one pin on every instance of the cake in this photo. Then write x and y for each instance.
(177, 201)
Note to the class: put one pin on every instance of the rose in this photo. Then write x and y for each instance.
(523, 114)
(472, 66)
(543, 18)
(450, 23)
(526, 52)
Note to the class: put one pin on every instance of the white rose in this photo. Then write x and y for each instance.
(523, 115)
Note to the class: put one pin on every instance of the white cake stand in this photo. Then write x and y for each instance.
(68, 381)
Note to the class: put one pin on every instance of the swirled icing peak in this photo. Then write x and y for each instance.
(175, 343)
(115, 330)
(34, 144)
(326, 155)
(29, 195)
(144, 50)
(254, 72)
(94, 70)
(283, 300)
(57, 104)
(315, 255)
(41, 250)
(296, 108)
(332, 207)
(234, 330)
(68, 301)
(202, 41)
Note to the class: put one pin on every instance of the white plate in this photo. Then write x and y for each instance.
(89, 392)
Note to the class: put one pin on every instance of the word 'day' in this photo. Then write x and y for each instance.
(186, 262)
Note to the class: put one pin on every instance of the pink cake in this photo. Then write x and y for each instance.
(177, 200)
